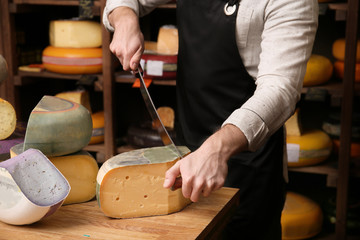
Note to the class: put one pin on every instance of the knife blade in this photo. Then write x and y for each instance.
(157, 123)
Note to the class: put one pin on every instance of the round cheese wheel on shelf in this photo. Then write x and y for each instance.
(339, 70)
(312, 147)
(319, 70)
(338, 49)
(7, 119)
(75, 33)
(301, 217)
(72, 60)
(159, 66)
(98, 131)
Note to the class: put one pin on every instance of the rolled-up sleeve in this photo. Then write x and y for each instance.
(286, 44)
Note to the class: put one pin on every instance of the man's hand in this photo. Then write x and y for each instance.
(128, 41)
(205, 170)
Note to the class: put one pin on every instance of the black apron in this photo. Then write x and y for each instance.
(211, 83)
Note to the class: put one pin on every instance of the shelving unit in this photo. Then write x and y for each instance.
(106, 83)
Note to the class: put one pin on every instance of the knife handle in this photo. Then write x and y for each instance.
(177, 184)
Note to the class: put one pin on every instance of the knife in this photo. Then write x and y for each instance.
(157, 123)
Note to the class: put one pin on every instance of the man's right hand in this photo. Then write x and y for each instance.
(128, 41)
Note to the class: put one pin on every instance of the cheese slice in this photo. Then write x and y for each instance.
(301, 217)
(31, 188)
(75, 34)
(7, 119)
(130, 184)
(80, 170)
(58, 127)
(168, 40)
(78, 96)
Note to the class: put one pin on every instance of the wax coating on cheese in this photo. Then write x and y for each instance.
(31, 188)
(131, 184)
(58, 127)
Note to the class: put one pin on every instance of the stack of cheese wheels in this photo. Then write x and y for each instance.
(130, 184)
(159, 59)
(338, 51)
(301, 217)
(75, 47)
(61, 129)
(31, 188)
(306, 148)
(319, 70)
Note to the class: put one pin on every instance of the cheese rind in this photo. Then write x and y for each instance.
(31, 188)
(7, 119)
(58, 127)
(98, 131)
(75, 34)
(131, 184)
(78, 96)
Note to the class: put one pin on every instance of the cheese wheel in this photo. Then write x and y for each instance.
(98, 131)
(72, 60)
(150, 46)
(301, 217)
(3, 69)
(319, 70)
(80, 170)
(75, 34)
(312, 147)
(158, 66)
(338, 49)
(7, 119)
(31, 188)
(130, 184)
(354, 148)
(339, 70)
(78, 96)
(58, 127)
(168, 40)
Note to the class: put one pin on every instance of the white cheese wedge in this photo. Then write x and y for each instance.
(75, 34)
(131, 184)
(58, 127)
(31, 188)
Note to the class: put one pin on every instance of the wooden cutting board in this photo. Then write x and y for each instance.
(204, 219)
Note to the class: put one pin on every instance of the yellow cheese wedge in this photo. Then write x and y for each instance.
(131, 184)
(168, 40)
(78, 96)
(72, 60)
(75, 34)
(167, 116)
(301, 217)
(58, 127)
(31, 188)
(7, 119)
(312, 147)
(319, 70)
(293, 125)
(80, 170)
(98, 131)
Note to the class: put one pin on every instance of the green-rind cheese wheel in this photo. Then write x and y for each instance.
(58, 127)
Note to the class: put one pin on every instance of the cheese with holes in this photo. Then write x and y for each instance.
(7, 119)
(80, 170)
(98, 130)
(75, 34)
(312, 147)
(130, 184)
(58, 127)
(78, 96)
(72, 60)
(31, 188)
(168, 40)
(301, 217)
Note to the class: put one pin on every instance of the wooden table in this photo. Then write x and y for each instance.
(200, 220)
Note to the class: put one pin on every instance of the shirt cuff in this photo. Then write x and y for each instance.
(253, 127)
(111, 5)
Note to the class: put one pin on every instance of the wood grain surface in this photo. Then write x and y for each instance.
(202, 220)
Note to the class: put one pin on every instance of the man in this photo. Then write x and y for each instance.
(240, 71)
